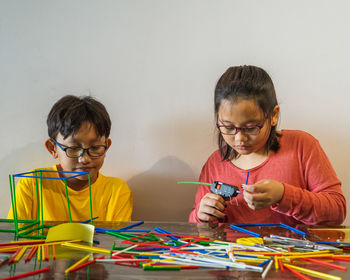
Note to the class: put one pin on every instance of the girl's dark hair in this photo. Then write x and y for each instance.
(70, 112)
(247, 82)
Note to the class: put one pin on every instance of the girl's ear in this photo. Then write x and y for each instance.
(275, 115)
(51, 147)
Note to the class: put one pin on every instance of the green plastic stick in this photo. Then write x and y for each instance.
(12, 220)
(42, 202)
(29, 225)
(66, 187)
(111, 251)
(37, 197)
(159, 267)
(14, 200)
(192, 182)
(32, 236)
(90, 199)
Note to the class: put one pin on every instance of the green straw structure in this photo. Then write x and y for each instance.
(41, 201)
(13, 198)
(37, 196)
(66, 187)
(90, 198)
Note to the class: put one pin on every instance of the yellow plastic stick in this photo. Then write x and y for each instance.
(39, 252)
(16, 247)
(314, 273)
(77, 263)
(306, 256)
(86, 248)
(249, 254)
(20, 254)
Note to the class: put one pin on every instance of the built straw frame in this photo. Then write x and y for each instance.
(38, 224)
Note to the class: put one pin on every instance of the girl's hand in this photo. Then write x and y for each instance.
(263, 193)
(211, 208)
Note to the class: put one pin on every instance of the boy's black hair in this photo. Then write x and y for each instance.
(247, 82)
(70, 112)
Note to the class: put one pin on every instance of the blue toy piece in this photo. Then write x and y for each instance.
(225, 190)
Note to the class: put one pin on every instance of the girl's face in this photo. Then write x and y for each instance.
(245, 113)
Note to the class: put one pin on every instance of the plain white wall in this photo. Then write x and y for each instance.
(154, 64)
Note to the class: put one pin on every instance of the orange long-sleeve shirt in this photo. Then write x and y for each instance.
(312, 191)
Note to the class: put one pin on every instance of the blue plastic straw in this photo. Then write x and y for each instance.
(273, 225)
(160, 230)
(133, 225)
(245, 230)
(124, 229)
(292, 229)
(333, 243)
(87, 221)
(246, 180)
(265, 262)
(118, 230)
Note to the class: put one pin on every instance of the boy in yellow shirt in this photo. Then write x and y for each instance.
(78, 129)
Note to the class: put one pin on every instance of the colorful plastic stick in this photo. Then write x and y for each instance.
(85, 264)
(313, 272)
(26, 274)
(327, 264)
(77, 263)
(296, 273)
(31, 254)
(238, 228)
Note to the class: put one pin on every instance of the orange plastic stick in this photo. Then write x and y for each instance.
(53, 252)
(31, 254)
(46, 253)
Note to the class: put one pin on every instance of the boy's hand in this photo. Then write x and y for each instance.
(211, 208)
(263, 193)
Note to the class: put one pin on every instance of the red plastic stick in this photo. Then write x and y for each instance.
(26, 274)
(327, 264)
(85, 264)
(342, 259)
(11, 260)
(281, 264)
(297, 273)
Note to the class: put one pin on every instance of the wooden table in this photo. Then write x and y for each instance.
(112, 271)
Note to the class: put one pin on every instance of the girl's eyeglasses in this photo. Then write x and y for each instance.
(232, 130)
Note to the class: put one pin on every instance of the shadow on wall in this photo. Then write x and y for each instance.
(158, 197)
(33, 155)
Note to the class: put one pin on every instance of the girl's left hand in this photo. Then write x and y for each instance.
(263, 193)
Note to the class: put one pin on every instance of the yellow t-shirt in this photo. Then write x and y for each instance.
(111, 199)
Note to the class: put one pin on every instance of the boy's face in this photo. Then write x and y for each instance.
(86, 137)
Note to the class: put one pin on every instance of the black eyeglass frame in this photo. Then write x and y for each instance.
(82, 150)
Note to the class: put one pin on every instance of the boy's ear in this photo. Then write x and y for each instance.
(51, 147)
(275, 115)
(109, 143)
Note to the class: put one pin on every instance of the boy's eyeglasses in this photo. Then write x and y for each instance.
(247, 130)
(76, 152)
